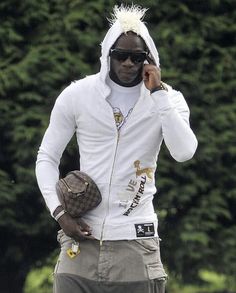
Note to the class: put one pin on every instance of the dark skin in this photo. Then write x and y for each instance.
(127, 74)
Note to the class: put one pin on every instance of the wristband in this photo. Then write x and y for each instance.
(59, 215)
(158, 88)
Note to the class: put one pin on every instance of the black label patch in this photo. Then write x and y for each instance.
(144, 230)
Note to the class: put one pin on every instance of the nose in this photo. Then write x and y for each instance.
(128, 62)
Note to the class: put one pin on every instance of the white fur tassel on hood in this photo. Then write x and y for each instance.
(129, 18)
(124, 19)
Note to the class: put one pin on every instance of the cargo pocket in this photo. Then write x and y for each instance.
(156, 271)
(158, 276)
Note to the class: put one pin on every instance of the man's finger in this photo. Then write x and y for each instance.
(83, 235)
(83, 225)
(89, 237)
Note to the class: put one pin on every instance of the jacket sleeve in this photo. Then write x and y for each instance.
(174, 114)
(59, 132)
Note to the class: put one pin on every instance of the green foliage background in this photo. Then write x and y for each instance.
(44, 45)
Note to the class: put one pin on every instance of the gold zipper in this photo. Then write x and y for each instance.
(70, 190)
(103, 224)
(118, 137)
(67, 186)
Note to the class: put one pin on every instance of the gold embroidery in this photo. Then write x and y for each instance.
(118, 118)
(147, 171)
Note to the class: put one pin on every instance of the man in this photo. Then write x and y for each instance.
(120, 116)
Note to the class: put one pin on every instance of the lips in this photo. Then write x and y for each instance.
(128, 70)
(127, 73)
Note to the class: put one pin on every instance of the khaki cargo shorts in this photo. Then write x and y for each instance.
(132, 266)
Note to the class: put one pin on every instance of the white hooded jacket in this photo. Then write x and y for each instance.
(122, 163)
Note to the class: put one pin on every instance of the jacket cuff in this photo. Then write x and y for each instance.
(162, 100)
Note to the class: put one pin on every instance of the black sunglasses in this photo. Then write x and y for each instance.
(122, 55)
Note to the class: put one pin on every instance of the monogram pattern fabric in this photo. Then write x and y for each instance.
(78, 193)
